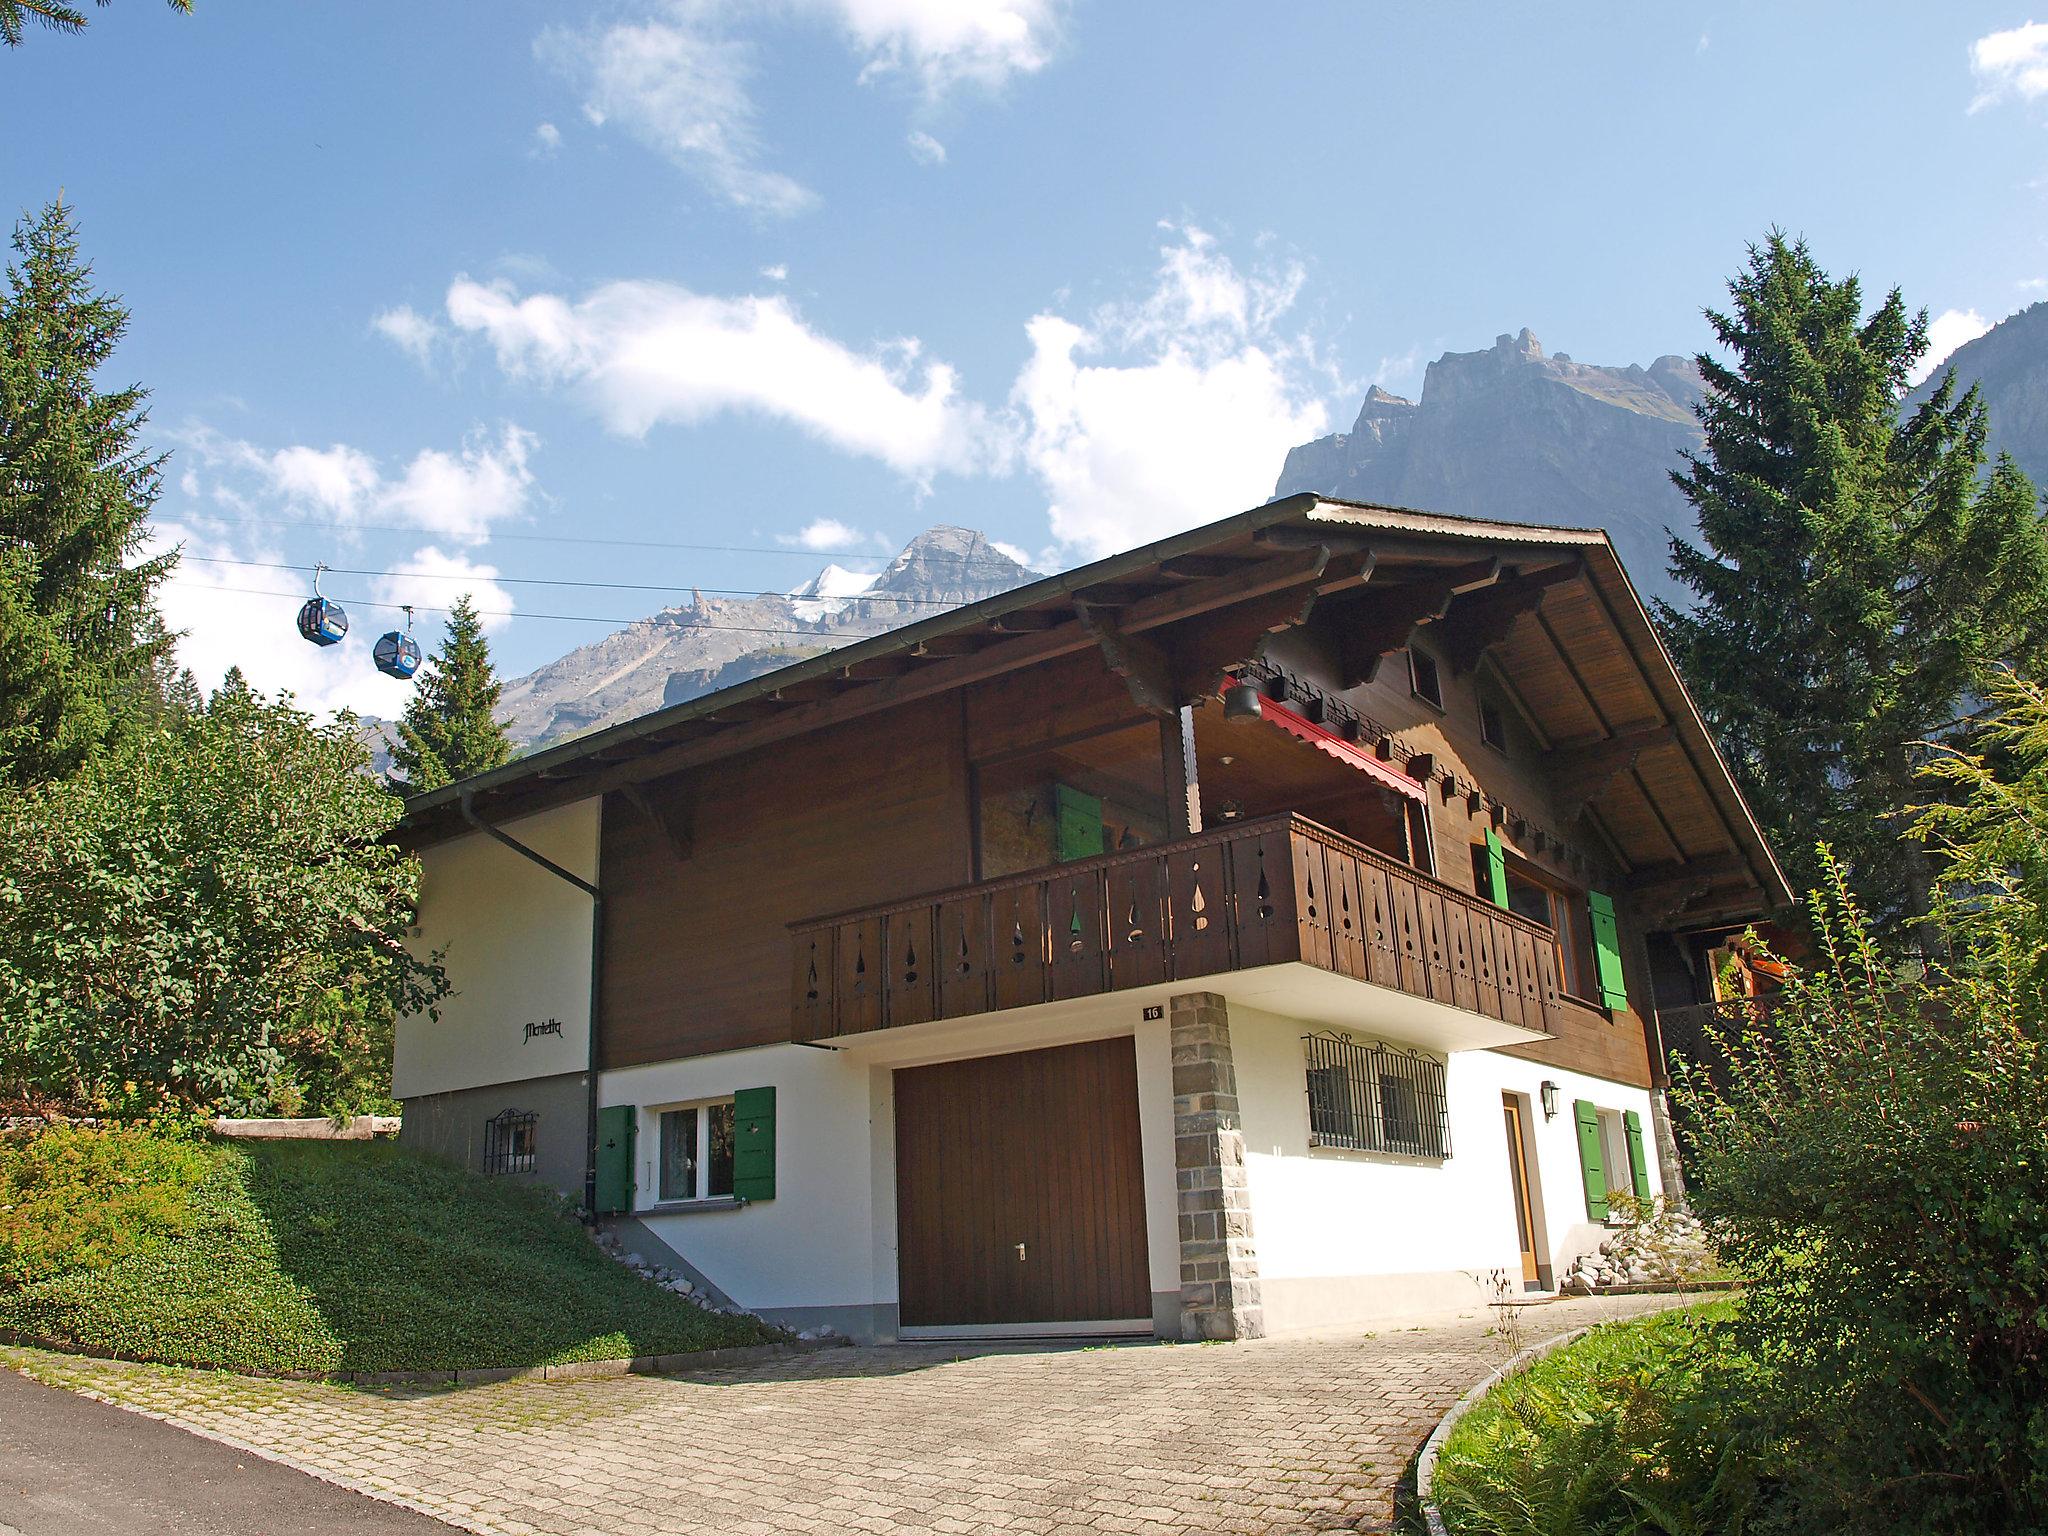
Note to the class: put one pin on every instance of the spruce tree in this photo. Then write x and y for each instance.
(449, 730)
(54, 14)
(1859, 572)
(77, 616)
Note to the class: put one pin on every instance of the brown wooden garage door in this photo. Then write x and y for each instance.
(1020, 1189)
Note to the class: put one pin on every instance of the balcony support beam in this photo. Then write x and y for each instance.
(1183, 786)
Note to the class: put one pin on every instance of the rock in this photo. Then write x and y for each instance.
(713, 642)
(1510, 433)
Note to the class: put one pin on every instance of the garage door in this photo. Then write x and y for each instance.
(1020, 1191)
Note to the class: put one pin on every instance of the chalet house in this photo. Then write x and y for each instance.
(1255, 931)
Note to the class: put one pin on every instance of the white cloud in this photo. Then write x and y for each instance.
(1945, 332)
(547, 139)
(459, 495)
(648, 353)
(948, 42)
(925, 149)
(1022, 556)
(430, 579)
(410, 331)
(779, 273)
(676, 83)
(828, 533)
(677, 76)
(2010, 63)
(1166, 413)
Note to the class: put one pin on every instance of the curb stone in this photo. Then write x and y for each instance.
(637, 1365)
(1425, 1461)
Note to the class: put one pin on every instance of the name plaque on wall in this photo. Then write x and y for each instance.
(548, 1027)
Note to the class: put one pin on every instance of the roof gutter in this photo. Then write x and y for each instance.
(467, 800)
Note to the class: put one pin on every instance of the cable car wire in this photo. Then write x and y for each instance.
(507, 613)
(567, 538)
(552, 581)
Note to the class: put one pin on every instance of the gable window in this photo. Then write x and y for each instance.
(509, 1142)
(1423, 679)
(697, 1152)
(1375, 1098)
(1493, 728)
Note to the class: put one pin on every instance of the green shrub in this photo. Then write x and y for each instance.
(80, 1198)
(1636, 1428)
(351, 1256)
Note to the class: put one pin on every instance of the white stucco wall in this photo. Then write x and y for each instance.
(1345, 1235)
(828, 1238)
(517, 942)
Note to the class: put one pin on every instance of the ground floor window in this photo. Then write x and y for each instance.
(509, 1142)
(1375, 1098)
(697, 1152)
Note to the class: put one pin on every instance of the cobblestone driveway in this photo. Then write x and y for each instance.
(1294, 1434)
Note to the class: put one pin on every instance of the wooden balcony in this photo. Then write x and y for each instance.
(1275, 892)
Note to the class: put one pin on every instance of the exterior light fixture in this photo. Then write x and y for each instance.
(1241, 702)
(1549, 1092)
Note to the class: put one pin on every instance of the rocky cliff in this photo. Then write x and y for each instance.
(711, 642)
(1514, 433)
(2009, 363)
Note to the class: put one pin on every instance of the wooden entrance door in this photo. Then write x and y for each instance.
(1518, 1177)
(1020, 1189)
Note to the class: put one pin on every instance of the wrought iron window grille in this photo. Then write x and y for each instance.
(1371, 1097)
(509, 1142)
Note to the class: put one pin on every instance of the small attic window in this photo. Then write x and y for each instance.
(1423, 679)
(1493, 730)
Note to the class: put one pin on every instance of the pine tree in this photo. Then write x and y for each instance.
(1859, 573)
(76, 488)
(450, 730)
(54, 14)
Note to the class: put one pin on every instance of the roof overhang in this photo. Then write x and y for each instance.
(1525, 600)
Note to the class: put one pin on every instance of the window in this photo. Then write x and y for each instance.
(1375, 1098)
(509, 1142)
(1493, 729)
(1423, 679)
(1556, 906)
(696, 1152)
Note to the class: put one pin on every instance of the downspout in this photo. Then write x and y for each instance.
(596, 977)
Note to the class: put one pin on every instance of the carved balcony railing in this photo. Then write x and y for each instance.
(1248, 894)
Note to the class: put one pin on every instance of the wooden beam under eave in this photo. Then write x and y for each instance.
(1704, 871)
(1483, 620)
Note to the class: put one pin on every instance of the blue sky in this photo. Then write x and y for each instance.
(466, 280)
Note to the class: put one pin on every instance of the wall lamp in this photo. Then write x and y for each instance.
(1241, 702)
(1549, 1092)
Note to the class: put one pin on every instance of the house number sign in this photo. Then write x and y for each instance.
(549, 1027)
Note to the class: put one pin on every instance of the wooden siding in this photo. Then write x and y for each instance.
(1265, 892)
(1586, 1038)
(696, 949)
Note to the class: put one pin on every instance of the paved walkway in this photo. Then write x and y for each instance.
(1279, 1435)
(72, 1467)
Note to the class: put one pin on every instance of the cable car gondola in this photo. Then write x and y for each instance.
(321, 621)
(399, 655)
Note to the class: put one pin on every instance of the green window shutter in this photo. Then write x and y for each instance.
(1079, 819)
(753, 1136)
(1607, 950)
(1638, 1169)
(617, 1128)
(1588, 1119)
(1496, 869)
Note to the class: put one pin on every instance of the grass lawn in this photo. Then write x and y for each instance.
(1626, 1431)
(311, 1256)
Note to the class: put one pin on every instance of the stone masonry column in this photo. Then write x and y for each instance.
(1219, 1262)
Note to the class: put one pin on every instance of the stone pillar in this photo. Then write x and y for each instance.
(1219, 1262)
(1669, 1172)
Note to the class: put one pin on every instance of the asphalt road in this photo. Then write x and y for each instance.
(70, 1466)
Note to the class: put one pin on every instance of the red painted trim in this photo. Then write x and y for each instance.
(1348, 753)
